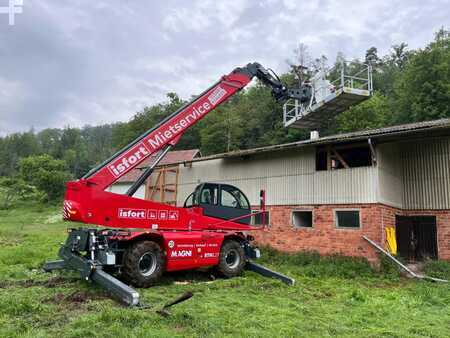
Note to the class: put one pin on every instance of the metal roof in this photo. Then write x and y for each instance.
(419, 129)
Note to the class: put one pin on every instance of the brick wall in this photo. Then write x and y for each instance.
(326, 238)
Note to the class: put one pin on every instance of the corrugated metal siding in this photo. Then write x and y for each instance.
(426, 174)
(390, 174)
(289, 177)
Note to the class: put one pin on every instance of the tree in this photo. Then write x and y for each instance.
(14, 189)
(222, 129)
(372, 57)
(98, 142)
(373, 113)
(399, 55)
(422, 91)
(47, 174)
(300, 63)
(50, 141)
(144, 120)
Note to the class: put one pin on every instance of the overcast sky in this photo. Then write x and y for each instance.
(77, 62)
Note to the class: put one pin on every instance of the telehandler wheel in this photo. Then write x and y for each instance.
(143, 264)
(231, 259)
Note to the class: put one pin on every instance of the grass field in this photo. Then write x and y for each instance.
(333, 296)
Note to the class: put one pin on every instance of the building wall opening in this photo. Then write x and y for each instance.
(333, 157)
(416, 237)
(302, 218)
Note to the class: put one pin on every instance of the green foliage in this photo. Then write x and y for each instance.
(144, 120)
(373, 113)
(438, 269)
(312, 264)
(47, 174)
(13, 147)
(422, 90)
(14, 189)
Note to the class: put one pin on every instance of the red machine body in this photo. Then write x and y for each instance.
(186, 249)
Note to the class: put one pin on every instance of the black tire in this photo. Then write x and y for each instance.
(143, 264)
(231, 259)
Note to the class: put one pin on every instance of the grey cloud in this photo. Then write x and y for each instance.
(77, 61)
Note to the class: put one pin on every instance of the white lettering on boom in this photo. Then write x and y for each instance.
(197, 112)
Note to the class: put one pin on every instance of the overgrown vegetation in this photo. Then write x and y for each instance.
(333, 296)
(438, 269)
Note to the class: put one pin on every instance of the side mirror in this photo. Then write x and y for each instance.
(262, 200)
(262, 206)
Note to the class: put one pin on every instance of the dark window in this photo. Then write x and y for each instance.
(302, 219)
(257, 219)
(347, 218)
(344, 156)
(209, 194)
(232, 197)
(321, 159)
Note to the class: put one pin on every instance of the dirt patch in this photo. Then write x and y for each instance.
(10, 241)
(28, 283)
(77, 297)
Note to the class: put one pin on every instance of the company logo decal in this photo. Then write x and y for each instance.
(181, 253)
(152, 214)
(132, 213)
(173, 215)
(162, 215)
(217, 95)
(129, 159)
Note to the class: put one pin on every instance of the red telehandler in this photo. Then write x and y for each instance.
(140, 239)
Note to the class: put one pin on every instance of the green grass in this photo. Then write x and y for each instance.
(333, 296)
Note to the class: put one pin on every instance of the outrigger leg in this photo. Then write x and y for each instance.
(266, 272)
(90, 266)
(252, 253)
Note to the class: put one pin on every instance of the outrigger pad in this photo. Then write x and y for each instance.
(54, 265)
(266, 272)
(115, 287)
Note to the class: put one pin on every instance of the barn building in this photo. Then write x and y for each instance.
(325, 193)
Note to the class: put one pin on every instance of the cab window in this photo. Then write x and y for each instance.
(233, 198)
(208, 195)
(189, 201)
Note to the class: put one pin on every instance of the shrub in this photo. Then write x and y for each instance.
(312, 264)
(437, 269)
(13, 189)
(46, 174)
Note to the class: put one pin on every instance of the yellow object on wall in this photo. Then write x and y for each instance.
(391, 241)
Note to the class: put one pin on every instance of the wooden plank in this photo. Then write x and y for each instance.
(162, 185)
(153, 190)
(176, 184)
(328, 157)
(339, 157)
